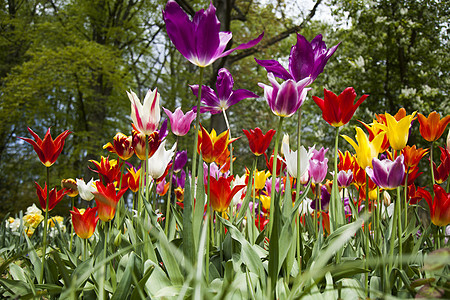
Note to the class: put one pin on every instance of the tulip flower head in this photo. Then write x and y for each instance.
(47, 149)
(84, 223)
(345, 178)
(158, 163)
(145, 116)
(54, 195)
(132, 179)
(200, 40)
(387, 174)
(338, 110)
(286, 98)
(439, 205)
(413, 155)
(221, 192)
(305, 60)
(86, 189)
(258, 141)
(107, 198)
(442, 171)
(224, 98)
(318, 165)
(291, 160)
(122, 146)
(398, 131)
(365, 150)
(433, 127)
(71, 186)
(108, 170)
(180, 123)
(212, 145)
(180, 161)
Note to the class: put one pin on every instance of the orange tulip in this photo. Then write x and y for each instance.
(108, 170)
(84, 223)
(221, 192)
(439, 205)
(107, 199)
(212, 145)
(433, 127)
(413, 156)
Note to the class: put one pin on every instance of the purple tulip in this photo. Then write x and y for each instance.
(225, 97)
(324, 200)
(285, 99)
(387, 174)
(180, 180)
(180, 161)
(318, 165)
(179, 122)
(345, 178)
(200, 40)
(306, 60)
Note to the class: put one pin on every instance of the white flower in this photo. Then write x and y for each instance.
(291, 160)
(157, 164)
(33, 210)
(238, 180)
(13, 224)
(145, 116)
(86, 190)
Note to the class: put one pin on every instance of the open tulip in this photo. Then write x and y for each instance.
(157, 164)
(47, 149)
(139, 139)
(145, 116)
(122, 146)
(212, 145)
(221, 192)
(200, 40)
(132, 178)
(433, 127)
(108, 170)
(387, 174)
(225, 97)
(286, 98)
(180, 123)
(413, 155)
(338, 110)
(305, 60)
(258, 141)
(54, 195)
(86, 189)
(107, 198)
(84, 223)
(365, 150)
(398, 131)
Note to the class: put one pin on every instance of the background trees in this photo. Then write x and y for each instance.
(67, 64)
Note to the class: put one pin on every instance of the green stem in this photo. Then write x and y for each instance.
(197, 122)
(399, 219)
(209, 226)
(85, 249)
(274, 176)
(297, 188)
(71, 228)
(252, 214)
(229, 137)
(431, 166)
(334, 200)
(406, 197)
(366, 235)
(44, 239)
(169, 194)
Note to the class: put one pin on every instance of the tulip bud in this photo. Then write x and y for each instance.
(386, 198)
(118, 239)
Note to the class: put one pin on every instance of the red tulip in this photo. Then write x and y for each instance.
(221, 192)
(258, 141)
(84, 223)
(55, 196)
(107, 199)
(47, 149)
(439, 206)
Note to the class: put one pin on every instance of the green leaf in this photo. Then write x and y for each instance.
(125, 282)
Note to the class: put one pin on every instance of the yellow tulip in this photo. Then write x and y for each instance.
(398, 131)
(365, 150)
(260, 179)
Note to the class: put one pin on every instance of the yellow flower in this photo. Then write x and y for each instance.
(398, 131)
(260, 179)
(53, 220)
(32, 220)
(265, 200)
(365, 150)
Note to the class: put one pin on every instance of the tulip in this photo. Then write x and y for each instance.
(139, 139)
(107, 199)
(47, 149)
(365, 150)
(338, 110)
(54, 196)
(180, 123)
(398, 131)
(324, 200)
(86, 189)
(413, 155)
(71, 186)
(305, 60)
(108, 170)
(433, 127)
(442, 171)
(346, 161)
(285, 99)
(221, 192)
(280, 164)
(318, 165)
(291, 160)
(200, 40)
(212, 145)
(225, 97)
(180, 161)
(122, 146)
(345, 178)
(162, 187)
(439, 205)
(387, 174)
(145, 116)
(258, 141)
(259, 179)
(157, 164)
(133, 178)
(84, 223)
